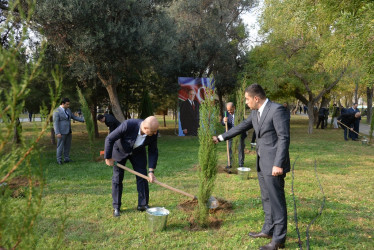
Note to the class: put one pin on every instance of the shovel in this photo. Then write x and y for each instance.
(228, 167)
(212, 202)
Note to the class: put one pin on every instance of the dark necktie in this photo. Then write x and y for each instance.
(67, 115)
(193, 106)
(232, 120)
(258, 116)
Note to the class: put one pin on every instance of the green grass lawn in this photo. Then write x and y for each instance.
(344, 168)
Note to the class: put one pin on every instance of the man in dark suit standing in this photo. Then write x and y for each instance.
(61, 123)
(110, 121)
(271, 123)
(189, 114)
(321, 117)
(356, 125)
(128, 141)
(230, 119)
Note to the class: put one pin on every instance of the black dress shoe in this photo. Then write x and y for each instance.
(259, 235)
(59, 162)
(272, 246)
(70, 160)
(116, 212)
(142, 208)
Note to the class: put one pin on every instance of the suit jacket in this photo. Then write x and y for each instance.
(230, 121)
(231, 124)
(111, 122)
(347, 119)
(273, 136)
(61, 122)
(189, 117)
(354, 111)
(119, 144)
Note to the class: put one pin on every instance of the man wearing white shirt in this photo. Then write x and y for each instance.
(271, 123)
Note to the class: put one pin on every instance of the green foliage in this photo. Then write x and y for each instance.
(88, 121)
(21, 165)
(207, 154)
(146, 106)
(124, 43)
(239, 117)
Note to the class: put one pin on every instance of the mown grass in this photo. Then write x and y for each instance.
(345, 170)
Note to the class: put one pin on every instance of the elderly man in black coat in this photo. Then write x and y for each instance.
(348, 119)
(128, 142)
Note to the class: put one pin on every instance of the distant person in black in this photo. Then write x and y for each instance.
(110, 121)
(321, 117)
(348, 119)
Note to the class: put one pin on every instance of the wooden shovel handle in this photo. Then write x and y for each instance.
(156, 181)
(348, 127)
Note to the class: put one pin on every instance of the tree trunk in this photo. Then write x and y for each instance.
(165, 113)
(111, 88)
(53, 136)
(356, 92)
(369, 94)
(94, 115)
(17, 129)
(325, 102)
(311, 117)
(116, 107)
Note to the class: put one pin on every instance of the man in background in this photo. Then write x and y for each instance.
(62, 125)
(356, 126)
(230, 120)
(110, 121)
(348, 119)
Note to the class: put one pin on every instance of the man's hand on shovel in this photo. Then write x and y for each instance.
(109, 162)
(151, 175)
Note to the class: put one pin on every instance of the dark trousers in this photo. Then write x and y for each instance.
(241, 147)
(356, 127)
(346, 132)
(321, 120)
(139, 162)
(274, 206)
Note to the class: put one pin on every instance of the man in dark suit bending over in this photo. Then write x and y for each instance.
(110, 121)
(128, 141)
(271, 123)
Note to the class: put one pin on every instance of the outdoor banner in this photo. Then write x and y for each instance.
(190, 95)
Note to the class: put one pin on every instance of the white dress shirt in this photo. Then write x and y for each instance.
(261, 109)
(139, 139)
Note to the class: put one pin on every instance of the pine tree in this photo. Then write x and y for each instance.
(146, 107)
(207, 154)
(88, 121)
(239, 116)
